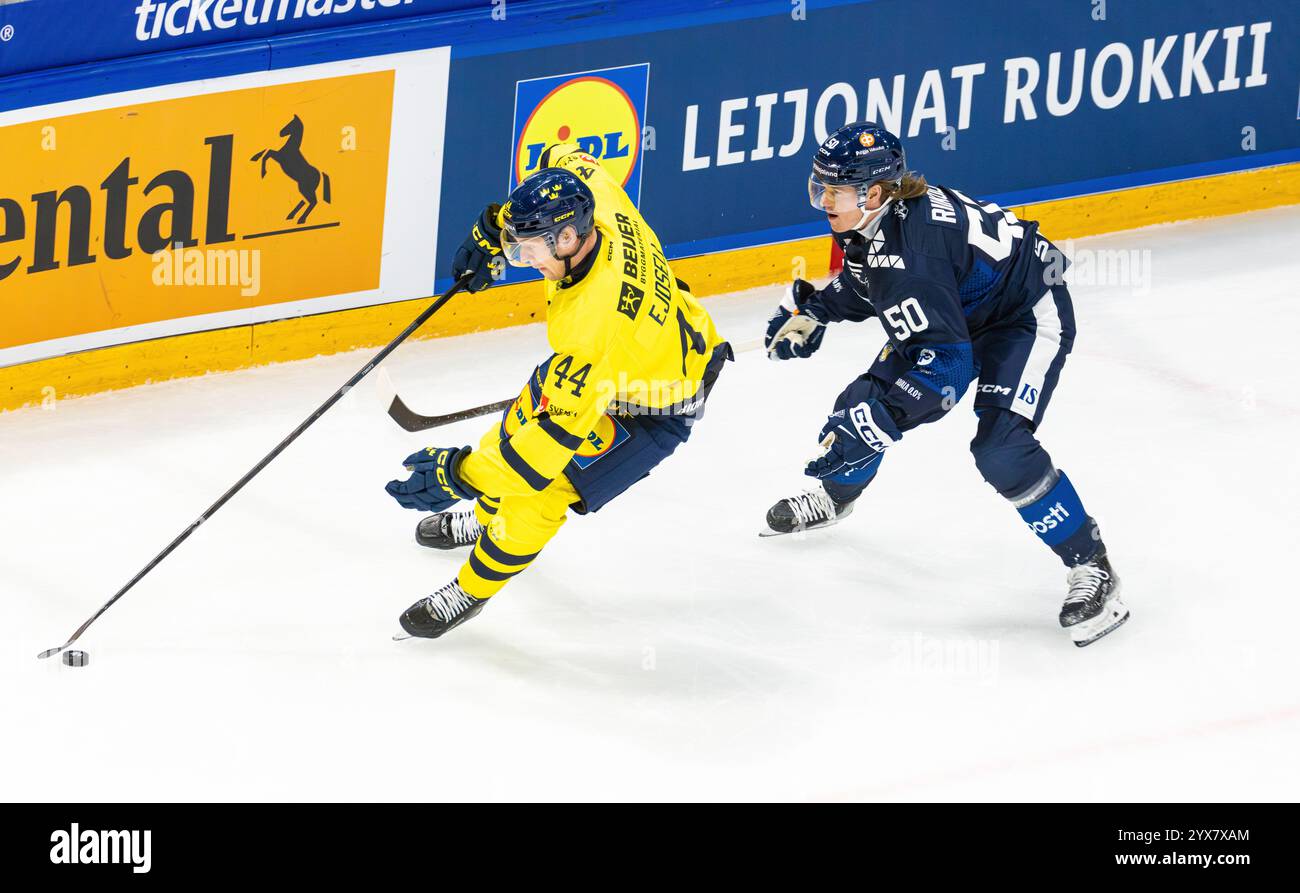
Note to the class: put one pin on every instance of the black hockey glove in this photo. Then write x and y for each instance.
(480, 254)
(798, 325)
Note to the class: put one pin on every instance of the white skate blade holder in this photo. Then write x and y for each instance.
(1114, 615)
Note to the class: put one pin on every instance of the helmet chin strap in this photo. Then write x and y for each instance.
(568, 262)
(568, 258)
(870, 221)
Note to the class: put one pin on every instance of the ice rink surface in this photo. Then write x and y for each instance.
(660, 649)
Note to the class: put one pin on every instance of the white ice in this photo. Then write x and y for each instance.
(660, 649)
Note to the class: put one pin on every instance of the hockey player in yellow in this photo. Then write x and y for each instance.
(635, 356)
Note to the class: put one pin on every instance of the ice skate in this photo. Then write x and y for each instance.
(448, 530)
(809, 510)
(445, 610)
(1092, 607)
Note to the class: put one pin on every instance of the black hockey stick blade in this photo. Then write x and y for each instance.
(413, 421)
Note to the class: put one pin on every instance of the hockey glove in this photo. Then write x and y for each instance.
(797, 326)
(853, 439)
(480, 254)
(435, 485)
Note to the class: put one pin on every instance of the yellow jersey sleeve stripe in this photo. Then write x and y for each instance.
(525, 471)
(539, 450)
(570, 442)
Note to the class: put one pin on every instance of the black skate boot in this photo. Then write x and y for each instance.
(448, 530)
(807, 511)
(1093, 607)
(446, 609)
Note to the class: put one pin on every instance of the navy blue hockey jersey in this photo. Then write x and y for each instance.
(939, 270)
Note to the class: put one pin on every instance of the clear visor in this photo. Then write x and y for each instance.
(833, 199)
(528, 251)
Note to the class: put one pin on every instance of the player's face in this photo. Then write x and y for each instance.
(526, 252)
(536, 253)
(539, 253)
(550, 268)
(842, 205)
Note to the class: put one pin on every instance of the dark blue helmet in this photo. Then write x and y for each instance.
(541, 207)
(857, 155)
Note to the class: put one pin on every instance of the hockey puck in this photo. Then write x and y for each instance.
(75, 658)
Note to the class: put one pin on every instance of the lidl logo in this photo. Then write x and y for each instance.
(608, 434)
(602, 111)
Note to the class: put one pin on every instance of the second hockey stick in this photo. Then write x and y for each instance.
(410, 420)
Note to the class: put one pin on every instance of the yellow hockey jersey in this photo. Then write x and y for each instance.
(626, 334)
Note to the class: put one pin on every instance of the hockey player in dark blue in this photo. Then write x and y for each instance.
(966, 293)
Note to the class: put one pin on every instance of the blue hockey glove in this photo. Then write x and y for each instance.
(480, 254)
(435, 485)
(853, 439)
(797, 326)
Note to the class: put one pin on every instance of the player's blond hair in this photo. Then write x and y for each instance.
(910, 186)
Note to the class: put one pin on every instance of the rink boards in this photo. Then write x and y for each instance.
(290, 195)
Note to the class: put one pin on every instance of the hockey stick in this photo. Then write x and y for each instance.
(410, 420)
(266, 460)
(413, 421)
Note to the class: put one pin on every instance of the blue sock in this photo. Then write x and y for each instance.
(1058, 518)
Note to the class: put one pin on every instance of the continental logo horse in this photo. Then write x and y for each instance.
(297, 168)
